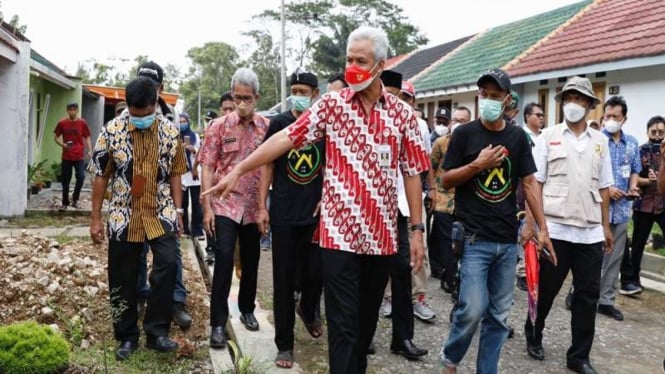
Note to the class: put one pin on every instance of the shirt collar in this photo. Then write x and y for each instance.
(348, 94)
(586, 132)
(622, 136)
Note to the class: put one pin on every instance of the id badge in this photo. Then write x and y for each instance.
(625, 171)
(384, 156)
(138, 185)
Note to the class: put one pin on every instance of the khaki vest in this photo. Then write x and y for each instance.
(570, 193)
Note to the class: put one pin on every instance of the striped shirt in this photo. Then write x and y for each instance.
(126, 154)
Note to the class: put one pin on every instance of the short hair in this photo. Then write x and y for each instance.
(72, 105)
(141, 92)
(417, 109)
(654, 121)
(378, 38)
(617, 101)
(338, 77)
(464, 109)
(226, 96)
(528, 109)
(247, 77)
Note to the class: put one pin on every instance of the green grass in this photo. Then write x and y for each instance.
(48, 220)
(65, 239)
(655, 230)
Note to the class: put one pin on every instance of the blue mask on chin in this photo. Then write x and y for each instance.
(184, 127)
(144, 122)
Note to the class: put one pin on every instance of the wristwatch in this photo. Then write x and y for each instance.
(418, 227)
(180, 211)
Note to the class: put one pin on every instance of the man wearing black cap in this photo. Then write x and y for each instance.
(442, 117)
(297, 182)
(70, 133)
(155, 72)
(486, 159)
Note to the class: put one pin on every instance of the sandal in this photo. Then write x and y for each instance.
(314, 327)
(284, 359)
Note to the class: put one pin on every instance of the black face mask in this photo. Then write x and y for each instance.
(656, 140)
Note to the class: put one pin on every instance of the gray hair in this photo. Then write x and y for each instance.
(377, 36)
(247, 77)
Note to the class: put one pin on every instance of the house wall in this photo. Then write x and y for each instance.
(466, 99)
(93, 113)
(14, 93)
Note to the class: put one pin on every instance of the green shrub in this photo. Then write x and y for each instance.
(29, 347)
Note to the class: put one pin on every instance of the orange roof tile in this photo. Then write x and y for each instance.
(118, 93)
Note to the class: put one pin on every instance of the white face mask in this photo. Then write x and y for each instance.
(574, 112)
(612, 126)
(440, 130)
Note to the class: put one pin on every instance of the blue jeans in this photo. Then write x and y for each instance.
(487, 282)
(143, 287)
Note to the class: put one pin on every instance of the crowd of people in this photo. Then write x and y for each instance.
(361, 198)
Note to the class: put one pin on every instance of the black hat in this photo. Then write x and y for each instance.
(442, 113)
(498, 76)
(73, 105)
(151, 70)
(301, 76)
(391, 78)
(210, 115)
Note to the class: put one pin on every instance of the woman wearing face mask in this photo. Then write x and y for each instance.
(191, 183)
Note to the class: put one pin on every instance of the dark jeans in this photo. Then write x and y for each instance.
(226, 233)
(440, 247)
(196, 228)
(66, 169)
(400, 285)
(631, 265)
(294, 255)
(123, 259)
(142, 286)
(354, 286)
(585, 261)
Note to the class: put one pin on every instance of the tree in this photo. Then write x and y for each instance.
(265, 63)
(14, 23)
(213, 64)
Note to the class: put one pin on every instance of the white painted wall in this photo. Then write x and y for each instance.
(14, 93)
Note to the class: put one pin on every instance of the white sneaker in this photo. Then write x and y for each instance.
(422, 311)
(386, 309)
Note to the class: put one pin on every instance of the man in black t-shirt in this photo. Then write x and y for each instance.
(485, 161)
(297, 182)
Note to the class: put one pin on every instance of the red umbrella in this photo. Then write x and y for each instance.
(532, 266)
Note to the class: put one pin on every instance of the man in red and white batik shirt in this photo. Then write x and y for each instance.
(371, 139)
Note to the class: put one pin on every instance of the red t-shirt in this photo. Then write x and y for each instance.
(72, 131)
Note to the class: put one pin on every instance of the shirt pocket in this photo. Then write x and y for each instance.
(229, 147)
(594, 212)
(554, 199)
(557, 162)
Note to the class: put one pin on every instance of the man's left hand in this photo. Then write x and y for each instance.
(417, 251)
(545, 242)
(181, 226)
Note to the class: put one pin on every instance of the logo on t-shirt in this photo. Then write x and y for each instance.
(494, 185)
(304, 164)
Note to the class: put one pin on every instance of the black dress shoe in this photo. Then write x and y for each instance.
(125, 349)
(218, 337)
(407, 349)
(581, 367)
(535, 351)
(249, 321)
(610, 311)
(521, 284)
(181, 316)
(371, 349)
(161, 344)
(569, 299)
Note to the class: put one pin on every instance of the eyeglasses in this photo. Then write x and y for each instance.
(246, 99)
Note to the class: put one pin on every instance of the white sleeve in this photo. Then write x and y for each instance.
(540, 158)
(606, 174)
(424, 132)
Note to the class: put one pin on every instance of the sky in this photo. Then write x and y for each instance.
(71, 31)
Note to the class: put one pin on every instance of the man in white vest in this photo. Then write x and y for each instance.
(575, 173)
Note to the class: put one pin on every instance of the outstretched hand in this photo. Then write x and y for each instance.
(224, 186)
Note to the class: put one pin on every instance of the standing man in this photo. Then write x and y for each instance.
(141, 154)
(336, 83)
(647, 210)
(442, 118)
(152, 70)
(371, 138)
(297, 180)
(229, 140)
(70, 133)
(486, 159)
(226, 103)
(626, 167)
(575, 173)
(534, 118)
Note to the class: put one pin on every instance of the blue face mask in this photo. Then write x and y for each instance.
(143, 123)
(184, 127)
(490, 110)
(301, 103)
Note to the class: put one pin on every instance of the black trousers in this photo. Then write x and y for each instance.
(66, 171)
(585, 261)
(226, 233)
(441, 247)
(400, 285)
(631, 265)
(294, 255)
(123, 259)
(196, 228)
(354, 286)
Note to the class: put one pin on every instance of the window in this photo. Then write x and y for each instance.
(543, 99)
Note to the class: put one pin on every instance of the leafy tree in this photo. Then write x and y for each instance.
(14, 23)
(265, 62)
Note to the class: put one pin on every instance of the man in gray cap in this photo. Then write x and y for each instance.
(574, 175)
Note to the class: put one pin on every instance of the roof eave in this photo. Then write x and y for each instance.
(51, 75)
